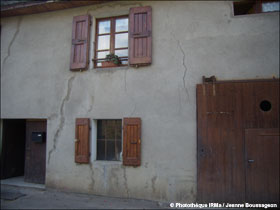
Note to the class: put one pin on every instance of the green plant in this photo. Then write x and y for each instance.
(114, 58)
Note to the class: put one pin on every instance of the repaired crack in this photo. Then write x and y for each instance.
(91, 186)
(12, 41)
(91, 104)
(125, 182)
(185, 67)
(62, 117)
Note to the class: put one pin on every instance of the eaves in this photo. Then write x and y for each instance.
(26, 8)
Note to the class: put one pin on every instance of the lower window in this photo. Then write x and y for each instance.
(109, 139)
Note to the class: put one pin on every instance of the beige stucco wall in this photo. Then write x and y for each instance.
(190, 39)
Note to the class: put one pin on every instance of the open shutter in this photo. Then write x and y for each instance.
(132, 141)
(82, 140)
(80, 42)
(140, 36)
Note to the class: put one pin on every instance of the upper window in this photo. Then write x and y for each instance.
(252, 7)
(111, 38)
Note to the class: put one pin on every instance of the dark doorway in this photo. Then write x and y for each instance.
(24, 149)
(13, 148)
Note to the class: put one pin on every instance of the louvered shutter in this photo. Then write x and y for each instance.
(132, 141)
(80, 42)
(140, 36)
(82, 140)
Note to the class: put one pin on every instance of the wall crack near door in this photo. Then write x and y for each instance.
(62, 117)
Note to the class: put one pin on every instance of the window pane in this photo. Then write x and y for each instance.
(100, 129)
(122, 24)
(100, 149)
(118, 129)
(102, 54)
(104, 42)
(110, 129)
(104, 26)
(121, 53)
(270, 6)
(110, 150)
(109, 139)
(121, 40)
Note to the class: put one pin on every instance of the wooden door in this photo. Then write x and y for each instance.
(230, 116)
(221, 174)
(262, 165)
(35, 158)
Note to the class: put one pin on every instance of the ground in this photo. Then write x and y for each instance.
(33, 198)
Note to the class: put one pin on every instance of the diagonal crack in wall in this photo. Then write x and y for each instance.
(62, 117)
(12, 41)
(185, 68)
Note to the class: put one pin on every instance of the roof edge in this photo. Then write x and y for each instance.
(26, 8)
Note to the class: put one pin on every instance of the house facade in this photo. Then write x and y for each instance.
(135, 130)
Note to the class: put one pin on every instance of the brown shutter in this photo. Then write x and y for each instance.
(140, 36)
(82, 140)
(132, 141)
(80, 42)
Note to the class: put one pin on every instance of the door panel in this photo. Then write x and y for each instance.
(220, 147)
(226, 111)
(262, 165)
(253, 95)
(35, 158)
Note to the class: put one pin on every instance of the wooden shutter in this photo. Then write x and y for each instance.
(132, 141)
(80, 42)
(140, 36)
(82, 140)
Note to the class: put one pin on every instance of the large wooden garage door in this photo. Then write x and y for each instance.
(237, 140)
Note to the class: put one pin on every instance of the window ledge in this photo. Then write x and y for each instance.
(111, 69)
(106, 162)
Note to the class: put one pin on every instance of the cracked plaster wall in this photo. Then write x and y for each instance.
(190, 39)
